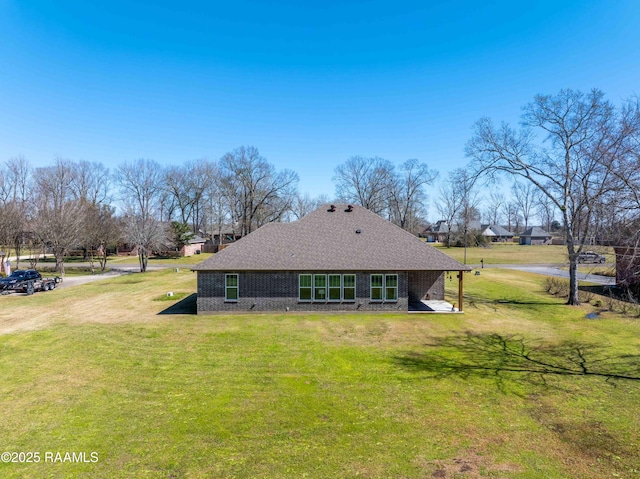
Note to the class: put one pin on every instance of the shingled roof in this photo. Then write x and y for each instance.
(495, 230)
(536, 232)
(340, 240)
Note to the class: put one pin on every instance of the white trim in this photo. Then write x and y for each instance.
(394, 287)
(384, 298)
(381, 300)
(329, 288)
(310, 300)
(355, 276)
(326, 289)
(237, 288)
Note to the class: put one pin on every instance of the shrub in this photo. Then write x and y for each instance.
(557, 287)
(585, 296)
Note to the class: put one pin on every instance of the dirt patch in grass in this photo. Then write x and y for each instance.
(470, 465)
(587, 444)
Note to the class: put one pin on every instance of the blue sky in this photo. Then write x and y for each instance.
(310, 83)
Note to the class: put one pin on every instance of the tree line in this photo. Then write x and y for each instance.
(575, 157)
(72, 204)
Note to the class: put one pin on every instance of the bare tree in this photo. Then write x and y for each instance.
(464, 181)
(365, 181)
(407, 193)
(186, 186)
(91, 182)
(217, 210)
(257, 192)
(510, 212)
(203, 175)
(17, 178)
(448, 206)
(176, 180)
(12, 229)
(302, 205)
(100, 229)
(59, 218)
(458, 203)
(495, 202)
(141, 183)
(15, 216)
(524, 199)
(582, 158)
(545, 209)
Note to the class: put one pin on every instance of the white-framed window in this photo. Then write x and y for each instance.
(320, 287)
(335, 287)
(231, 288)
(384, 287)
(305, 287)
(349, 287)
(377, 287)
(391, 287)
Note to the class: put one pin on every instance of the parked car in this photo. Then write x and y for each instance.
(18, 276)
(591, 257)
(27, 281)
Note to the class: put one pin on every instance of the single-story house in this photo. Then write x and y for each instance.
(496, 233)
(337, 258)
(194, 246)
(535, 235)
(438, 232)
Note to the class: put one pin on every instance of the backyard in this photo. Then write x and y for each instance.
(520, 386)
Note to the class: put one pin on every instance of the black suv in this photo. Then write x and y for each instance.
(18, 277)
(591, 257)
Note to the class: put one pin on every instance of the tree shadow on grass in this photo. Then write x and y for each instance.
(516, 359)
(187, 305)
(475, 300)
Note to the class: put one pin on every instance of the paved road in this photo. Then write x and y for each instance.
(76, 280)
(553, 270)
(114, 273)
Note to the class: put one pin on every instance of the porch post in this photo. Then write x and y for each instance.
(460, 276)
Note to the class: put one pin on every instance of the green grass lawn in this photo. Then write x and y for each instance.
(519, 386)
(186, 260)
(509, 253)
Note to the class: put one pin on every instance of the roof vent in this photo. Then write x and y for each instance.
(332, 208)
(349, 209)
(358, 231)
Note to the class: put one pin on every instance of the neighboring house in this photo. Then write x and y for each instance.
(337, 258)
(438, 232)
(535, 236)
(496, 233)
(227, 235)
(194, 246)
(126, 249)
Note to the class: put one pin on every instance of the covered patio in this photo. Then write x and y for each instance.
(427, 292)
(433, 306)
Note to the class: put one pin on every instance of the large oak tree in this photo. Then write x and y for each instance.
(574, 147)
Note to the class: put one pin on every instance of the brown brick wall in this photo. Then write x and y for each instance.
(277, 291)
(426, 285)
